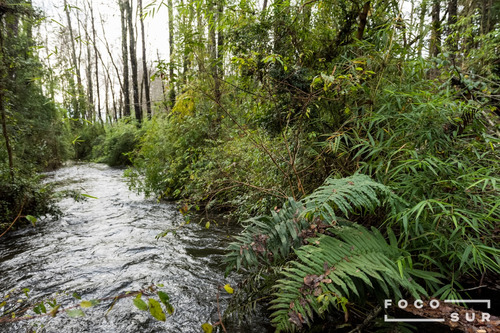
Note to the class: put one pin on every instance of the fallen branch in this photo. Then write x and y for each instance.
(469, 320)
(372, 315)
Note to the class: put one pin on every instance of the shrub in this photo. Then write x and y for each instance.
(119, 140)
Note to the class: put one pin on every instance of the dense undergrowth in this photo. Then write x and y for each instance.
(38, 139)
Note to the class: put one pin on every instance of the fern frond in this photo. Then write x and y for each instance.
(347, 195)
(268, 239)
(335, 267)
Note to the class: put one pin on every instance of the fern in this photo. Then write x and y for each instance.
(339, 263)
(347, 195)
(268, 239)
(332, 269)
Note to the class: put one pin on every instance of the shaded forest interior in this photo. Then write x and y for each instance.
(356, 141)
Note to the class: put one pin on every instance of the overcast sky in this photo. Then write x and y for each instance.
(156, 26)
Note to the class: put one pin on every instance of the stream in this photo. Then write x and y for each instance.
(104, 247)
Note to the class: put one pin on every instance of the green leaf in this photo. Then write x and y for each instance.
(86, 304)
(75, 313)
(140, 304)
(156, 310)
(94, 302)
(32, 219)
(75, 295)
(170, 308)
(53, 312)
(88, 196)
(164, 298)
(207, 225)
(207, 328)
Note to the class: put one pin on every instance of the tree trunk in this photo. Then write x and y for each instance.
(117, 71)
(421, 27)
(90, 84)
(171, 80)
(220, 50)
(133, 64)
(3, 114)
(212, 46)
(435, 45)
(452, 19)
(126, 96)
(5, 133)
(363, 19)
(76, 91)
(96, 56)
(145, 65)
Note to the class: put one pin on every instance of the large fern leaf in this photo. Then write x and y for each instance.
(347, 195)
(268, 239)
(334, 268)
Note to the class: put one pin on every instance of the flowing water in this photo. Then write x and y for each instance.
(105, 247)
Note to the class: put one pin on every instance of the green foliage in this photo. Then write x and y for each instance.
(325, 264)
(85, 138)
(268, 239)
(179, 159)
(24, 196)
(347, 195)
(348, 264)
(117, 143)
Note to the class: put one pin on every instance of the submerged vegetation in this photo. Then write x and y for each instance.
(357, 142)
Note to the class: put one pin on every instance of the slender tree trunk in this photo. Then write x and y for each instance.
(3, 114)
(5, 133)
(163, 90)
(171, 93)
(421, 27)
(435, 45)
(96, 56)
(90, 83)
(220, 52)
(126, 96)
(363, 19)
(145, 65)
(133, 64)
(76, 92)
(108, 49)
(452, 19)
(201, 49)
(215, 53)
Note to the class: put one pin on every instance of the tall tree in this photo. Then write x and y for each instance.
(3, 74)
(171, 93)
(77, 92)
(435, 45)
(421, 27)
(133, 62)
(145, 74)
(126, 88)
(452, 20)
(96, 57)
